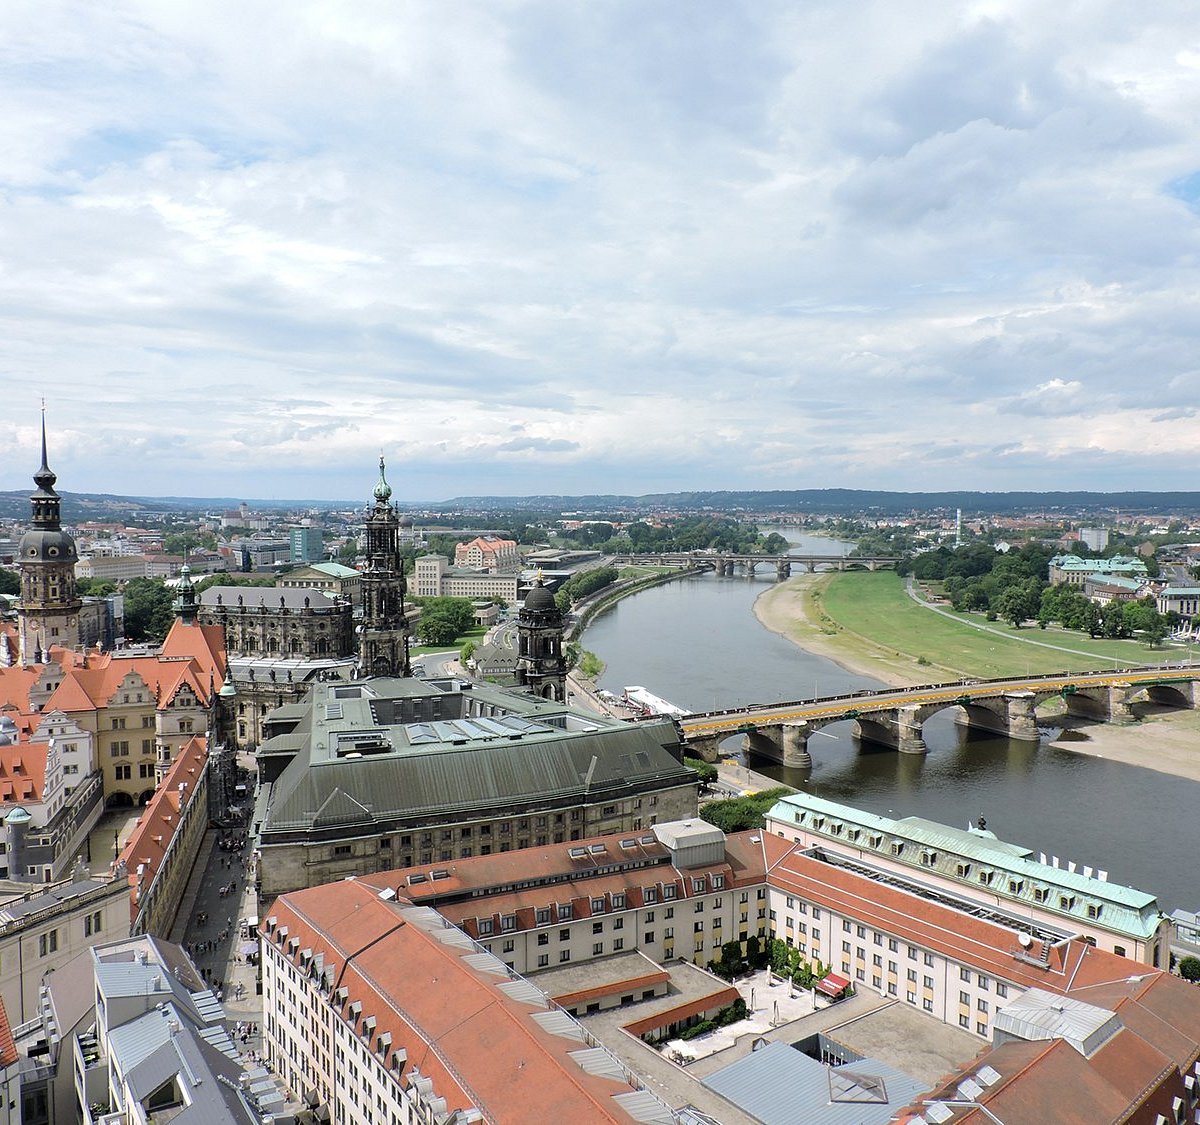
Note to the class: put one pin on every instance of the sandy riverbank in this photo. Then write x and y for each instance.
(1168, 742)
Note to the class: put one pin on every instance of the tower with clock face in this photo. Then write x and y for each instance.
(48, 612)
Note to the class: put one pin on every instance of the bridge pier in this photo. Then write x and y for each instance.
(1022, 720)
(1119, 708)
(795, 746)
(757, 744)
(706, 749)
(810, 566)
(909, 731)
(751, 567)
(783, 570)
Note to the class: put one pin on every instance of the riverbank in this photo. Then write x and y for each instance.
(793, 610)
(1168, 742)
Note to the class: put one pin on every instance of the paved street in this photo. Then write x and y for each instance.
(211, 923)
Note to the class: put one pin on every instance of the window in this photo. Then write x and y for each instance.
(597, 948)
(718, 881)
(542, 916)
(861, 931)
(564, 912)
(927, 1004)
(928, 982)
(1001, 990)
(48, 943)
(929, 959)
(486, 925)
(964, 974)
(597, 927)
(564, 935)
(981, 1027)
(650, 895)
(698, 927)
(648, 939)
(618, 945)
(564, 955)
(964, 1021)
(649, 915)
(597, 906)
(508, 922)
(669, 891)
(981, 1005)
(543, 939)
(964, 998)
(618, 923)
(508, 946)
(543, 960)
(91, 924)
(983, 982)
(698, 886)
(618, 900)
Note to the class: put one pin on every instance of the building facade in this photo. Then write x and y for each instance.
(436, 578)
(273, 622)
(489, 553)
(677, 890)
(382, 773)
(975, 866)
(365, 1003)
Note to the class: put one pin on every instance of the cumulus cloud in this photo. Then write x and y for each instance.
(628, 246)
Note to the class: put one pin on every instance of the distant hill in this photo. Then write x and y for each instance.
(828, 501)
(81, 506)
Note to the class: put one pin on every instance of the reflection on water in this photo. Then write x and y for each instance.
(697, 643)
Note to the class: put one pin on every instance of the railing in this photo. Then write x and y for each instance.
(1190, 672)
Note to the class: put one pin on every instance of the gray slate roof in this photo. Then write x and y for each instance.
(781, 1086)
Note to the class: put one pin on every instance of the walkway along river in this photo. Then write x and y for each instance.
(697, 643)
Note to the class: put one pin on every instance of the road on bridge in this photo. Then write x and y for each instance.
(864, 702)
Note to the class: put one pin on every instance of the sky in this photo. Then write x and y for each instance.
(601, 247)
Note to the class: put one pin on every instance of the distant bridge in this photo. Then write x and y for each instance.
(895, 717)
(727, 564)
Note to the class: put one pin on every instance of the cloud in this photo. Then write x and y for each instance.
(637, 245)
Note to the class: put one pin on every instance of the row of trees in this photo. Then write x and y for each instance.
(691, 533)
(1013, 587)
(578, 586)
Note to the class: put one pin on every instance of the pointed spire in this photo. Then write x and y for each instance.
(44, 478)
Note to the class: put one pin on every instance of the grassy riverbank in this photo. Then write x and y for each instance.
(868, 624)
(876, 609)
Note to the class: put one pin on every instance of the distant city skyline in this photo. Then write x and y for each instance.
(618, 248)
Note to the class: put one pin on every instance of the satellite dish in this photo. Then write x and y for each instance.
(1025, 940)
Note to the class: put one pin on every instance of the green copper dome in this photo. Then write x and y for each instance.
(383, 490)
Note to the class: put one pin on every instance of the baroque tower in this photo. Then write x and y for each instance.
(383, 635)
(541, 664)
(48, 613)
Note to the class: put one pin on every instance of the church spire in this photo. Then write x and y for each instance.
(383, 490)
(45, 501)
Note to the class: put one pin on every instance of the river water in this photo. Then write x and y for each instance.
(697, 643)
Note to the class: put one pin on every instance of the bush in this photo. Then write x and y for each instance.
(706, 770)
(1189, 968)
(740, 813)
(697, 1029)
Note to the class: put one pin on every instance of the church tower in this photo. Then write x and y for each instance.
(541, 664)
(383, 635)
(48, 612)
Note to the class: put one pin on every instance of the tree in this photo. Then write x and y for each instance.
(444, 620)
(148, 612)
(1013, 605)
(10, 581)
(1189, 968)
(706, 770)
(91, 587)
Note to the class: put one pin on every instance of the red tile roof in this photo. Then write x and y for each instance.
(480, 1046)
(156, 827)
(8, 1049)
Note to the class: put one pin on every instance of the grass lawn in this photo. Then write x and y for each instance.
(643, 571)
(475, 633)
(877, 610)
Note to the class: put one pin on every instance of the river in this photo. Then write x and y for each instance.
(697, 643)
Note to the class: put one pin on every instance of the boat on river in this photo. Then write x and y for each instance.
(637, 698)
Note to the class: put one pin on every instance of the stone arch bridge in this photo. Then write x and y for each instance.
(728, 564)
(895, 717)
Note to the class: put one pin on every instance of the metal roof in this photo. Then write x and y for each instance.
(533, 768)
(1040, 1015)
(780, 1086)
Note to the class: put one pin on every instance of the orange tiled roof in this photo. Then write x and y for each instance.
(22, 772)
(152, 835)
(8, 1049)
(456, 1025)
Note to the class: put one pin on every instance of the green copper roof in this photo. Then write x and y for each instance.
(383, 490)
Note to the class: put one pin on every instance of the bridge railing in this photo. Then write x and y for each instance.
(816, 701)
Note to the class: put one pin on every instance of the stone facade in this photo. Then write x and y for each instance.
(272, 622)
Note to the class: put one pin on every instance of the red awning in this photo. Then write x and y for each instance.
(833, 985)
